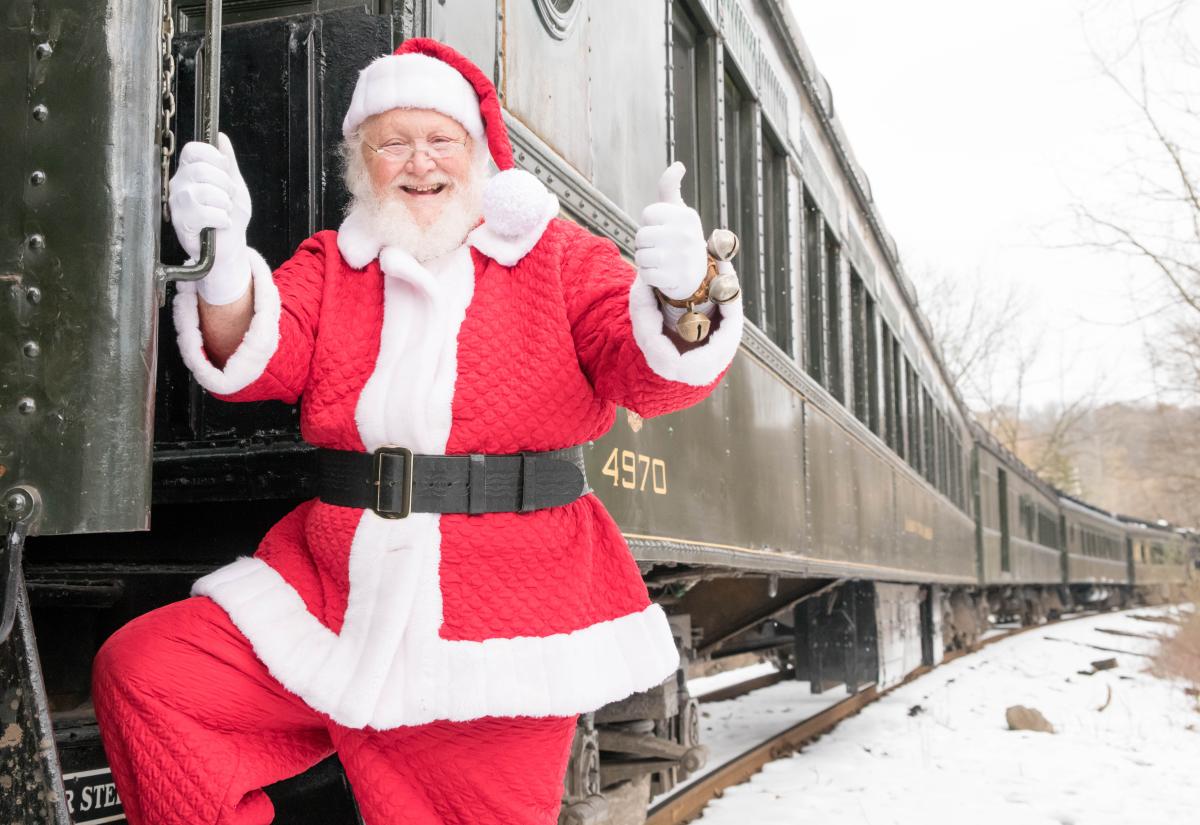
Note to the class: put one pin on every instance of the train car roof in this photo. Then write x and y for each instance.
(1071, 502)
(992, 444)
(1159, 526)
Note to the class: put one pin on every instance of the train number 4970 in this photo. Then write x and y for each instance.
(633, 470)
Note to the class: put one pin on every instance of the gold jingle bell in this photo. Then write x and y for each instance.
(720, 288)
(723, 244)
(693, 326)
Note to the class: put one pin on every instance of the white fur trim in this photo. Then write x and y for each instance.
(407, 399)
(672, 314)
(413, 81)
(520, 210)
(389, 667)
(355, 240)
(698, 366)
(248, 361)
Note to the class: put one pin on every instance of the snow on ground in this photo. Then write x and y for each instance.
(708, 684)
(732, 727)
(938, 751)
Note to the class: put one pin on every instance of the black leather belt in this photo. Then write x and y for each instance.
(393, 482)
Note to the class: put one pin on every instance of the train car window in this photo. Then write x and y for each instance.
(814, 258)
(960, 491)
(1002, 496)
(935, 447)
(858, 344)
(913, 413)
(693, 94)
(872, 329)
(1047, 529)
(889, 389)
(952, 462)
(190, 15)
(951, 454)
(741, 197)
(948, 443)
(777, 281)
(864, 353)
(963, 485)
(1025, 516)
(897, 362)
(947, 458)
(928, 465)
(835, 382)
(943, 464)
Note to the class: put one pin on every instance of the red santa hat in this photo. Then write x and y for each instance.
(426, 74)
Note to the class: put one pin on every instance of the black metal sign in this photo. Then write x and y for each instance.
(92, 797)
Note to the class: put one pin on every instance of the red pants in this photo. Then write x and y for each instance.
(194, 726)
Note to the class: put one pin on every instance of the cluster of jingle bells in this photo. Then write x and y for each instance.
(718, 287)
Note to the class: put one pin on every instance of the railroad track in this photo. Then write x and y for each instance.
(687, 803)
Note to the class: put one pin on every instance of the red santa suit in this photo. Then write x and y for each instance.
(525, 338)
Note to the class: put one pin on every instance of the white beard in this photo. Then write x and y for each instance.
(392, 224)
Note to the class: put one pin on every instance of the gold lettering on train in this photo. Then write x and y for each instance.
(911, 525)
(634, 471)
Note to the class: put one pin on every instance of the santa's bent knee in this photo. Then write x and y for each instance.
(141, 659)
(125, 661)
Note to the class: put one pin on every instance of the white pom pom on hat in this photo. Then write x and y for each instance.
(426, 74)
(514, 203)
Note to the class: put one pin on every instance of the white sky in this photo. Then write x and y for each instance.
(979, 126)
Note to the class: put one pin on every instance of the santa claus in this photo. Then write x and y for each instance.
(456, 595)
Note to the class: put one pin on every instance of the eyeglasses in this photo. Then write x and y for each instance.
(439, 148)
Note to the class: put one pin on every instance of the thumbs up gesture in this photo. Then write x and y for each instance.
(670, 247)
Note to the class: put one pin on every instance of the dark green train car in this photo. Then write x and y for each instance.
(1158, 559)
(1095, 546)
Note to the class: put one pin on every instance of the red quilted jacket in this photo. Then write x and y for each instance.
(399, 622)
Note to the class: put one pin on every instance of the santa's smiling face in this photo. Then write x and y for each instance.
(419, 157)
(416, 176)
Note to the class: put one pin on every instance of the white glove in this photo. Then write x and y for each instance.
(208, 191)
(671, 252)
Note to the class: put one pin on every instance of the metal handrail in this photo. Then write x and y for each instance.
(209, 119)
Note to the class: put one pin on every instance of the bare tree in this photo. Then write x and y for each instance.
(991, 358)
(1159, 223)
(1156, 70)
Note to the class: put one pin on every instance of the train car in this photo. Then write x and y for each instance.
(1098, 571)
(819, 507)
(1017, 535)
(1158, 559)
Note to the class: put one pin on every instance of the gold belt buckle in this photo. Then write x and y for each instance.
(406, 491)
